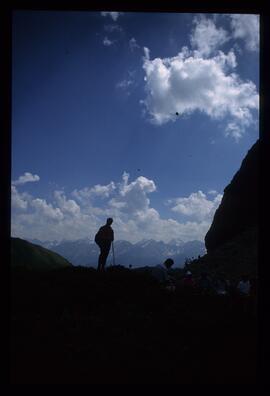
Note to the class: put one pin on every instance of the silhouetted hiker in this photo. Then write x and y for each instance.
(204, 283)
(188, 279)
(104, 237)
(221, 285)
(243, 289)
(160, 273)
(244, 286)
(186, 284)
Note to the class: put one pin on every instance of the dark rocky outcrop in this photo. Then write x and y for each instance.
(232, 240)
(238, 210)
(234, 258)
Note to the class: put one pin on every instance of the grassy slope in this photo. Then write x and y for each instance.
(27, 255)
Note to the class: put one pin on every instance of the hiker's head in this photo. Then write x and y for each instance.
(168, 263)
(109, 221)
(188, 273)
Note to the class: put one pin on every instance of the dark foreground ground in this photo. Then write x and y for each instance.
(76, 326)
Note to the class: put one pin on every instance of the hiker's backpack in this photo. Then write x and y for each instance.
(98, 237)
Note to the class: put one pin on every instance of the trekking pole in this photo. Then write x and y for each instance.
(113, 254)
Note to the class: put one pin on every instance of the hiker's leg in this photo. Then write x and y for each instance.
(105, 249)
(101, 260)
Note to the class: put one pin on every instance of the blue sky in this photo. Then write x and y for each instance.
(94, 125)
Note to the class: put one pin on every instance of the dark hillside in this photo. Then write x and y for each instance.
(76, 326)
(30, 256)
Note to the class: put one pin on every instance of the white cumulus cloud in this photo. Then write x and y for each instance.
(246, 27)
(68, 206)
(46, 210)
(127, 82)
(103, 191)
(206, 37)
(124, 84)
(113, 14)
(26, 178)
(132, 197)
(107, 42)
(112, 28)
(18, 201)
(133, 44)
(212, 192)
(188, 82)
(196, 205)
(80, 213)
(63, 219)
(86, 194)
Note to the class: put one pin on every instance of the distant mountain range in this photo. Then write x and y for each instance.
(143, 253)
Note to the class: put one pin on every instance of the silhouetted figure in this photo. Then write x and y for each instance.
(244, 286)
(104, 237)
(221, 285)
(243, 289)
(160, 273)
(204, 283)
(188, 280)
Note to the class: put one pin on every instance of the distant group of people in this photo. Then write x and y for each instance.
(205, 284)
